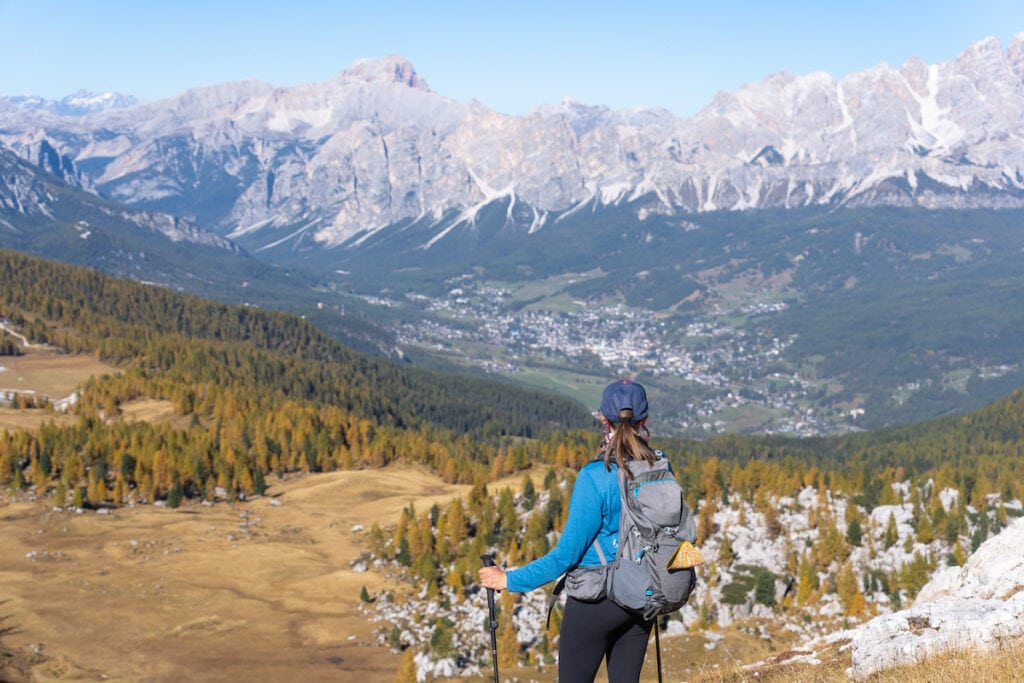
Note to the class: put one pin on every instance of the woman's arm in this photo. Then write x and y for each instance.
(581, 528)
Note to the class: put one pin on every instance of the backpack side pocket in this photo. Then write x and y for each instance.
(587, 583)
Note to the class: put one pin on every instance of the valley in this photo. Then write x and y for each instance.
(797, 322)
(773, 279)
(710, 374)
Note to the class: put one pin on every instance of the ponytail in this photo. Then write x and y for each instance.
(626, 443)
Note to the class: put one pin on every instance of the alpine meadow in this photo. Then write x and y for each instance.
(281, 365)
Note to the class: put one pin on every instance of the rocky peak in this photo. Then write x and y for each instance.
(987, 67)
(1015, 56)
(390, 69)
(979, 53)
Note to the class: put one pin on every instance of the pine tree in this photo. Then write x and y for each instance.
(854, 532)
(710, 486)
(959, 555)
(773, 526)
(96, 492)
(455, 522)
(726, 554)
(706, 521)
(1001, 516)
(529, 492)
(925, 531)
(407, 669)
(174, 495)
(940, 519)
(403, 556)
(453, 579)
(764, 588)
(914, 574)
(259, 482)
(891, 533)
(981, 531)
(831, 545)
(508, 640)
(888, 496)
(957, 524)
(807, 581)
(78, 497)
(848, 589)
(507, 517)
(60, 494)
(119, 491)
(441, 640)
(704, 616)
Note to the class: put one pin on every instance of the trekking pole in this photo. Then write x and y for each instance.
(488, 561)
(657, 645)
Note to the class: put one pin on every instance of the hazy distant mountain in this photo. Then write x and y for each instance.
(331, 163)
(79, 104)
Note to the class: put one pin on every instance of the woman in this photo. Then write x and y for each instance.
(594, 630)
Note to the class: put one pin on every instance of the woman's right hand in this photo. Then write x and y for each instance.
(493, 577)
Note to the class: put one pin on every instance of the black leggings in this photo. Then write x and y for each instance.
(592, 631)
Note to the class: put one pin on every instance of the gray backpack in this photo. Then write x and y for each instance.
(654, 520)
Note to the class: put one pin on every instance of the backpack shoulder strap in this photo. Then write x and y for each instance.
(560, 585)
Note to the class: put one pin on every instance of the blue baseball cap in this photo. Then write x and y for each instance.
(624, 394)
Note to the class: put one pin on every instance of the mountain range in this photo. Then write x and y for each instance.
(846, 252)
(78, 104)
(333, 163)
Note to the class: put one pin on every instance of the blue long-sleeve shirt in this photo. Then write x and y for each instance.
(593, 514)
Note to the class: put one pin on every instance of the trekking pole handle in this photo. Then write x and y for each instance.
(488, 561)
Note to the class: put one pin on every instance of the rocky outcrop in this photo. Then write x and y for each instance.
(975, 607)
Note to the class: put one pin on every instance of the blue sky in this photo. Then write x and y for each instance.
(511, 56)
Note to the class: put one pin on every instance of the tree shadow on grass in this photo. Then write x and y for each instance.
(5, 628)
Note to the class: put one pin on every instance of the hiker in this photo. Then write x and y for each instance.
(594, 629)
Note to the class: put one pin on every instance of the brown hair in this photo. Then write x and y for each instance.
(626, 443)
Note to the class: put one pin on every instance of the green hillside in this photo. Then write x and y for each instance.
(266, 392)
